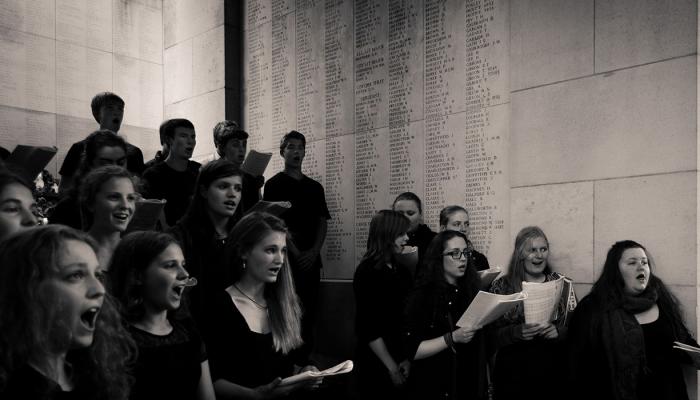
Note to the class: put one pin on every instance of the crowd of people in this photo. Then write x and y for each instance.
(219, 299)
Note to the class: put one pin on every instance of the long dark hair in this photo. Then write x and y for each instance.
(516, 267)
(609, 289)
(434, 269)
(196, 214)
(135, 252)
(385, 227)
(29, 318)
(284, 310)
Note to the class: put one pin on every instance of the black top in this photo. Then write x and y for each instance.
(433, 310)
(662, 377)
(204, 258)
(380, 296)
(157, 159)
(67, 211)
(134, 159)
(421, 238)
(169, 366)
(28, 384)
(519, 363)
(308, 204)
(177, 187)
(236, 353)
(251, 190)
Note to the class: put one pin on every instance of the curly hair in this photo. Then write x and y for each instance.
(135, 252)
(29, 317)
(92, 184)
(283, 303)
(434, 268)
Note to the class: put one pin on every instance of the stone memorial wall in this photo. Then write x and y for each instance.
(393, 96)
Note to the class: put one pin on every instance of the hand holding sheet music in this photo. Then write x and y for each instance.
(342, 368)
(692, 351)
(488, 307)
(542, 300)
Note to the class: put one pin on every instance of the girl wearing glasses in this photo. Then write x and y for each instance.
(456, 218)
(448, 362)
(518, 342)
(148, 276)
(17, 205)
(381, 285)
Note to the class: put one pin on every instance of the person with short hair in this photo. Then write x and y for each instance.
(108, 111)
(148, 277)
(254, 325)
(516, 341)
(174, 179)
(456, 218)
(101, 148)
(621, 337)
(161, 154)
(307, 222)
(204, 229)
(447, 362)
(381, 285)
(61, 336)
(107, 201)
(231, 143)
(17, 204)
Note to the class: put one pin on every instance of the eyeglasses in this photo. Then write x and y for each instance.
(457, 255)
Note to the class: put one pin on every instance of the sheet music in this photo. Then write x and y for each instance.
(542, 300)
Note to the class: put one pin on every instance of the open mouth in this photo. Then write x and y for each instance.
(89, 317)
(642, 278)
(275, 270)
(179, 289)
(230, 204)
(122, 217)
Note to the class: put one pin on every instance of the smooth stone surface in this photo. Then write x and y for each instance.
(177, 71)
(603, 126)
(565, 214)
(657, 211)
(140, 84)
(81, 73)
(208, 61)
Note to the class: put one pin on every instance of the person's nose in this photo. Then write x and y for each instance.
(28, 217)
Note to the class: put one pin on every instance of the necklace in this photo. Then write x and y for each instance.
(260, 306)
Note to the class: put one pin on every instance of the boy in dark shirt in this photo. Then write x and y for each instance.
(307, 224)
(231, 143)
(174, 179)
(108, 111)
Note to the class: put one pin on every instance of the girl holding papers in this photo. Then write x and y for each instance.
(381, 285)
(621, 337)
(253, 326)
(526, 353)
(448, 362)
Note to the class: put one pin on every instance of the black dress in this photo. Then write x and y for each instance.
(237, 354)
(168, 366)
(433, 310)
(380, 296)
(660, 377)
(26, 383)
